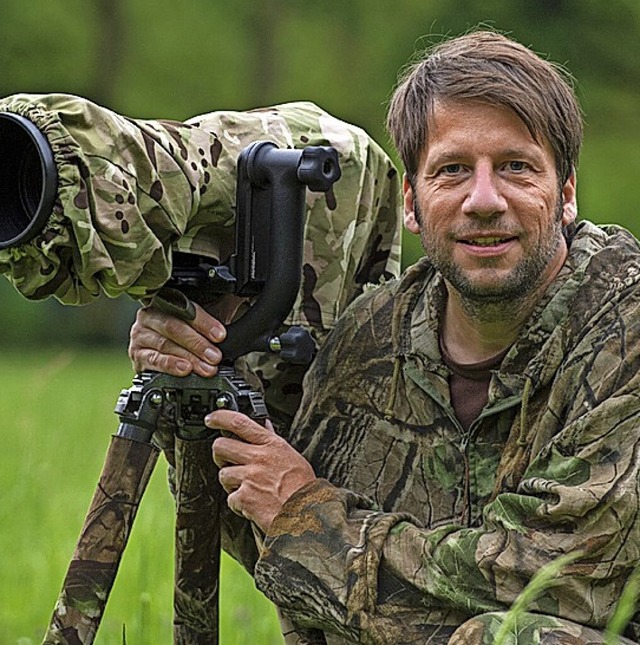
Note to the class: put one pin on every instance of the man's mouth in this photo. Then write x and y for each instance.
(487, 241)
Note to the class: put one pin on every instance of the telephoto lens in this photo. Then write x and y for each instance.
(28, 180)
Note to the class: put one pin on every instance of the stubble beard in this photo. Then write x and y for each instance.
(511, 294)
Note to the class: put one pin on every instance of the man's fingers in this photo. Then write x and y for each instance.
(233, 502)
(150, 359)
(197, 336)
(168, 344)
(229, 451)
(239, 449)
(148, 350)
(231, 478)
(240, 425)
(209, 326)
(223, 454)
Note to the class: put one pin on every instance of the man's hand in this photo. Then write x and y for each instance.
(259, 470)
(165, 343)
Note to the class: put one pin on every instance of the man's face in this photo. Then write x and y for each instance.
(487, 203)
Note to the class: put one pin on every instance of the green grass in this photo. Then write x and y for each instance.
(57, 412)
(58, 417)
(549, 576)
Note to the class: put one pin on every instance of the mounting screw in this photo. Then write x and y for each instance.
(155, 398)
(224, 401)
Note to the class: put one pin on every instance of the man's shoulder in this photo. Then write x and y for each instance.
(375, 322)
(607, 256)
(394, 294)
(601, 288)
(609, 239)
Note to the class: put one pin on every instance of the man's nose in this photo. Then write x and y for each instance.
(484, 197)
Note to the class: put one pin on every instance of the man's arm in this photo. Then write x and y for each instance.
(334, 559)
(369, 565)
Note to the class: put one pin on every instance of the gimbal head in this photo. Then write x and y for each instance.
(28, 180)
(271, 187)
(267, 262)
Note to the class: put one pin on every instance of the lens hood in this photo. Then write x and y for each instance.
(28, 180)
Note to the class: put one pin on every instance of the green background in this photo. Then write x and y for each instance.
(167, 59)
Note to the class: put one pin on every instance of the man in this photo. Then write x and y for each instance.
(477, 419)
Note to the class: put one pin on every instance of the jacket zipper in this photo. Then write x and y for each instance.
(505, 404)
(466, 436)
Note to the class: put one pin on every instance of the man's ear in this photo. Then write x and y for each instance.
(411, 222)
(569, 200)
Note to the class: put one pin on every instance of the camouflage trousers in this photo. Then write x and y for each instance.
(530, 629)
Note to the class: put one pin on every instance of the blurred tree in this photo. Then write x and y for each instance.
(110, 48)
(174, 60)
(262, 22)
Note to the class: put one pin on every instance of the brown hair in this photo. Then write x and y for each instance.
(489, 67)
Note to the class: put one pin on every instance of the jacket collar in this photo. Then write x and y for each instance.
(602, 262)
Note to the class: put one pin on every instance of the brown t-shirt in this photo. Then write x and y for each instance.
(469, 385)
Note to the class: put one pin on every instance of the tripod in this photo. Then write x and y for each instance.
(267, 263)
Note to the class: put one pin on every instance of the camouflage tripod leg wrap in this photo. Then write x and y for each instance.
(198, 500)
(126, 472)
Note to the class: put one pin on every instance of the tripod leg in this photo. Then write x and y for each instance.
(198, 499)
(126, 472)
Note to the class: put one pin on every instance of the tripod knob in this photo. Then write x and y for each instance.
(295, 345)
(319, 168)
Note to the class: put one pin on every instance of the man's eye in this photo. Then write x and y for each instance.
(451, 169)
(517, 166)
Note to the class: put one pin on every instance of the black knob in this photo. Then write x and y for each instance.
(297, 346)
(319, 168)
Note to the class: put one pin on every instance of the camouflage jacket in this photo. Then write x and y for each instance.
(417, 525)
